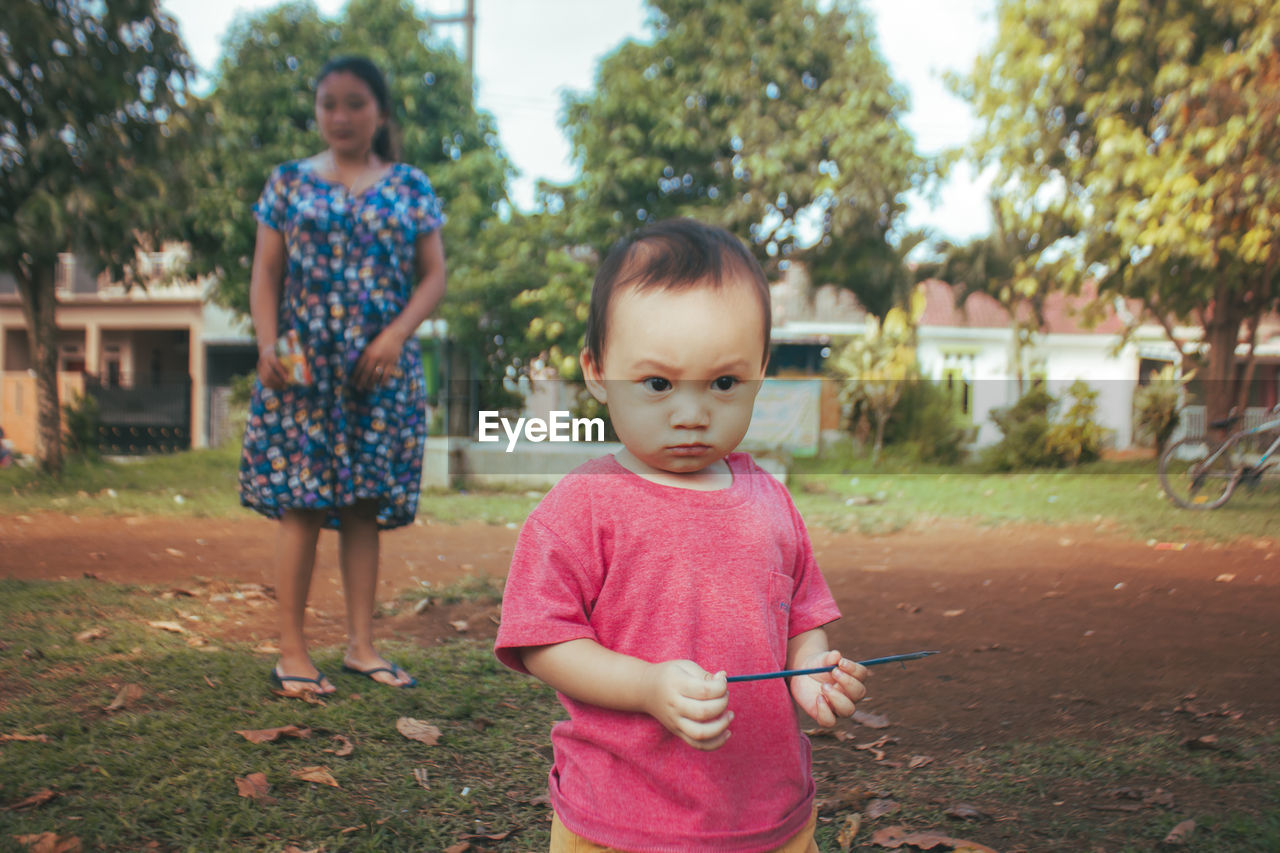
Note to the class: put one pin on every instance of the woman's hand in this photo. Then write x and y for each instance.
(271, 372)
(379, 361)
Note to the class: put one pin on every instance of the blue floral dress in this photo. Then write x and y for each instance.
(349, 272)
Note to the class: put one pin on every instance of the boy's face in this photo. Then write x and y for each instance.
(680, 372)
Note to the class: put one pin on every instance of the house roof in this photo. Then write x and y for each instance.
(1063, 313)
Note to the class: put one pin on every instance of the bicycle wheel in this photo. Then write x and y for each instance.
(1197, 474)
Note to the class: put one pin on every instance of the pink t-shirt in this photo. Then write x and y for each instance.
(722, 578)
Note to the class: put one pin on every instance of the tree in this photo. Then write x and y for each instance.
(262, 113)
(777, 119)
(1150, 129)
(876, 367)
(95, 99)
(1008, 266)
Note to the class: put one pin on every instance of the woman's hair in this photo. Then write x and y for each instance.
(384, 141)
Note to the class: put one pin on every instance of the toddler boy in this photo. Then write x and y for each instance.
(643, 573)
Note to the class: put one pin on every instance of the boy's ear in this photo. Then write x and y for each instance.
(594, 377)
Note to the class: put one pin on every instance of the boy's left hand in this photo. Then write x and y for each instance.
(828, 696)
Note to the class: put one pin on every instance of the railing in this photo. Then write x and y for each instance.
(148, 419)
(1193, 419)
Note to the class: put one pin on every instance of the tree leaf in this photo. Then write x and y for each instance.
(128, 694)
(419, 730)
(318, 775)
(254, 787)
(268, 735)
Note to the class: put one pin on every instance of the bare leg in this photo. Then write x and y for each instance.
(295, 561)
(358, 553)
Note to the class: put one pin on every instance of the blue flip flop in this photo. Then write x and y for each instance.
(279, 681)
(392, 670)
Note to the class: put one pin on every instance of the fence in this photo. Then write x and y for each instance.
(138, 420)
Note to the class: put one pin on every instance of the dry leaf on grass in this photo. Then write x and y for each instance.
(318, 775)
(896, 836)
(49, 842)
(918, 761)
(128, 694)
(1180, 834)
(90, 635)
(268, 735)
(254, 787)
(293, 848)
(848, 830)
(33, 738)
(420, 776)
(345, 746)
(39, 798)
(460, 625)
(171, 627)
(460, 847)
(419, 730)
(879, 808)
(964, 811)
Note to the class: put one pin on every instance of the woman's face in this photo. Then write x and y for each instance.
(347, 113)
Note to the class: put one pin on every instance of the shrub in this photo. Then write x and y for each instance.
(928, 426)
(80, 422)
(1156, 407)
(1033, 440)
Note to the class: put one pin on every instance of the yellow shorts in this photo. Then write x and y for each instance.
(564, 841)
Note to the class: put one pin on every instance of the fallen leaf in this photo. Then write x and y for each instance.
(896, 836)
(420, 776)
(964, 811)
(879, 808)
(290, 848)
(1179, 835)
(318, 775)
(129, 693)
(460, 847)
(268, 735)
(848, 830)
(254, 787)
(35, 738)
(908, 608)
(871, 721)
(345, 746)
(918, 761)
(49, 842)
(419, 730)
(497, 836)
(1225, 577)
(1202, 742)
(90, 635)
(171, 627)
(950, 613)
(267, 647)
(39, 798)
(460, 625)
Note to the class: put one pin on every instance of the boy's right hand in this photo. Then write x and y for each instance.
(690, 702)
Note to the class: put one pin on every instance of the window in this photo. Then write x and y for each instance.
(957, 380)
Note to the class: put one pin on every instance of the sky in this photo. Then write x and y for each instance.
(529, 52)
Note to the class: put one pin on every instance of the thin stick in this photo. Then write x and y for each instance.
(787, 673)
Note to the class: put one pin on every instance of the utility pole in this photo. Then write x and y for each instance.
(468, 20)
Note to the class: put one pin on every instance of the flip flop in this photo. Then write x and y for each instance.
(279, 681)
(392, 670)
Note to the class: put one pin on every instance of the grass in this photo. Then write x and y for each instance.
(841, 494)
(162, 771)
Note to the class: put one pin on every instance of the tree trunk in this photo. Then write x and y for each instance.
(1222, 334)
(39, 301)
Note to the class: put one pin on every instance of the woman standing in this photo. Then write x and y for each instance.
(348, 262)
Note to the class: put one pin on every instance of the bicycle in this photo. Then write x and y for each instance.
(1214, 471)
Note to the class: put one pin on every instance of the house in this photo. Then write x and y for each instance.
(969, 345)
(139, 350)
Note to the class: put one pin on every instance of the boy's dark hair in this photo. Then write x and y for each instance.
(384, 143)
(674, 254)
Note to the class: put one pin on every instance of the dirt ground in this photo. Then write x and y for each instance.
(1042, 629)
